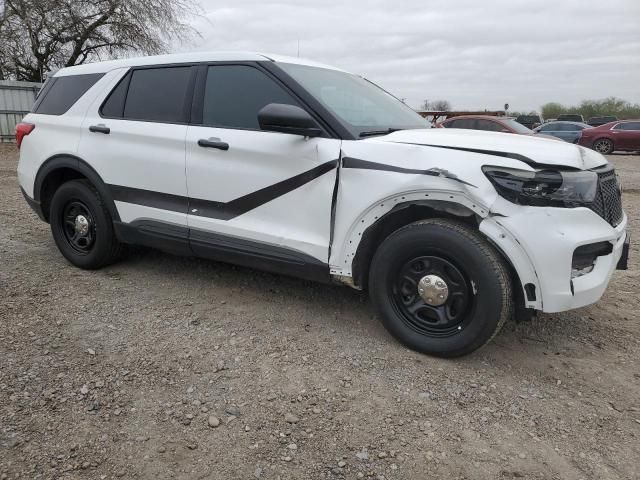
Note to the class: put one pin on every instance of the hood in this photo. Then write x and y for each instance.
(530, 149)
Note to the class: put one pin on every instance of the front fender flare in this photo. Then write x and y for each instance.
(440, 200)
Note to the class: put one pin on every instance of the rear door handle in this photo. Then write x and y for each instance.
(213, 143)
(100, 129)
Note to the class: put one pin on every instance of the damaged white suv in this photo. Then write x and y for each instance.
(300, 168)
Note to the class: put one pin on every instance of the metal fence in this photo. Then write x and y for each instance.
(16, 99)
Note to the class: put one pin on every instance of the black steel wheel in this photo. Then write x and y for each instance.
(440, 288)
(432, 296)
(79, 226)
(82, 227)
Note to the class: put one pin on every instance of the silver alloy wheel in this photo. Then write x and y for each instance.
(603, 146)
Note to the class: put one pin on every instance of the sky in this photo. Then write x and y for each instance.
(477, 54)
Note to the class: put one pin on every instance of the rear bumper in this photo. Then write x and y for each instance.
(34, 204)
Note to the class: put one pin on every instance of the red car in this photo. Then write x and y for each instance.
(486, 122)
(612, 136)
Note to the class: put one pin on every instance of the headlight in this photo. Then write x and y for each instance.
(544, 187)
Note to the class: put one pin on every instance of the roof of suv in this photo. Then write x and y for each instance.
(176, 58)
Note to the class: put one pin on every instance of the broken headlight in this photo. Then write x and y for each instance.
(543, 188)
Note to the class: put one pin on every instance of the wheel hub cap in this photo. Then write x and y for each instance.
(81, 225)
(433, 290)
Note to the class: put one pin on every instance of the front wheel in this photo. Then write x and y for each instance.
(440, 288)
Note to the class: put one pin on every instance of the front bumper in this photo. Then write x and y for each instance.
(540, 243)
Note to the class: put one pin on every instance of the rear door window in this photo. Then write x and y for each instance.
(61, 93)
(158, 95)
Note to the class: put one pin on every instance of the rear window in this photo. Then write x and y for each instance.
(62, 92)
(158, 94)
(570, 117)
(528, 119)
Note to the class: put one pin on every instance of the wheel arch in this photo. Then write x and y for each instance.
(607, 137)
(59, 169)
(400, 215)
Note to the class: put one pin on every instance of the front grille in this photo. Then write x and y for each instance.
(608, 200)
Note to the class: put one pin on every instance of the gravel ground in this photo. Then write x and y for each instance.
(167, 367)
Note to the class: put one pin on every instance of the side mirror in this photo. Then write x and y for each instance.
(278, 117)
(506, 130)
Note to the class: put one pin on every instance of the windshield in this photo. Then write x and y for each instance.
(518, 127)
(361, 106)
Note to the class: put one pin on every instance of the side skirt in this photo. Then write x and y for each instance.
(179, 240)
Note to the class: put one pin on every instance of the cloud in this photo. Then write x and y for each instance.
(477, 54)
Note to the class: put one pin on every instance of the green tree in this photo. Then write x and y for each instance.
(595, 108)
(552, 110)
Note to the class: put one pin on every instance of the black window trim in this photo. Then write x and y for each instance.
(195, 96)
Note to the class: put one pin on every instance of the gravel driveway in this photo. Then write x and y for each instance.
(166, 367)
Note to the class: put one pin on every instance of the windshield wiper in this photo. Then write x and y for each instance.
(371, 133)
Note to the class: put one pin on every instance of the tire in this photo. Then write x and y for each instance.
(603, 146)
(478, 297)
(76, 208)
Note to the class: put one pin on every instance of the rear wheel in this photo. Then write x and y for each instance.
(440, 288)
(603, 146)
(82, 227)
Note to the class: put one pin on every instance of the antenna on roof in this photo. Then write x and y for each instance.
(298, 48)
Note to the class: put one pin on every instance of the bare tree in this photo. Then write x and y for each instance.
(436, 105)
(40, 36)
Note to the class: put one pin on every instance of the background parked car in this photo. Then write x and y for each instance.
(570, 117)
(530, 121)
(482, 122)
(597, 121)
(567, 131)
(607, 138)
(492, 124)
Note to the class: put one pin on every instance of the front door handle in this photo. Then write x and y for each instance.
(213, 143)
(100, 129)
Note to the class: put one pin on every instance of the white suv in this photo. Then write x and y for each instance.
(304, 169)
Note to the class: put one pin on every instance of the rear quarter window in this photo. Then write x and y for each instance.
(61, 93)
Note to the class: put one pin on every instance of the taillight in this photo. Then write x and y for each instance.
(22, 130)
